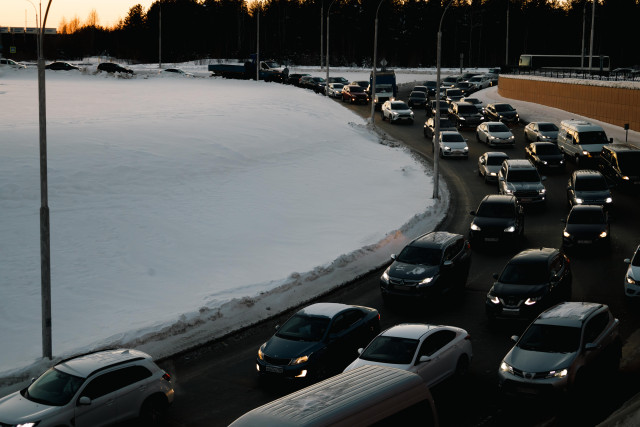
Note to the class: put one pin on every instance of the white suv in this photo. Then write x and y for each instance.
(92, 390)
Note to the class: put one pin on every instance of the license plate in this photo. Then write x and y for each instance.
(526, 199)
(584, 242)
(491, 239)
(525, 390)
(274, 369)
(511, 311)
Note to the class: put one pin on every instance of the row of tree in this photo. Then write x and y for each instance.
(474, 32)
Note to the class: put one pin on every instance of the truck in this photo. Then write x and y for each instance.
(269, 70)
(386, 87)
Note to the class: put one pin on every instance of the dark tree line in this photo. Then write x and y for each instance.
(290, 31)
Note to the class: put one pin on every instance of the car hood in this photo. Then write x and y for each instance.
(593, 195)
(454, 145)
(501, 135)
(593, 148)
(483, 221)
(507, 113)
(500, 289)
(585, 229)
(538, 361)
(402, 270)
(550, 134)
(409, 111)
(524, 186)
(282, 348)
(15, 409)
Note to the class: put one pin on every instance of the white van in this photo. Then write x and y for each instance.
(364, 396)
(580, 140)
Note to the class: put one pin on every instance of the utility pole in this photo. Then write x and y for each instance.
(593, 17)
(160, 37)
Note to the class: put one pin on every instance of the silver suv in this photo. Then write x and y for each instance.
(92, 390)
(520, 178)
(562, 350)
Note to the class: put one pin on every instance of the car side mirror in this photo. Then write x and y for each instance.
(277, 327)
(360, 350)
(84, 401)
(447, 263)
(423, 359)
(393, 257)
(543, 178)
(472, 212)
(627, 261)
(611, 140)
(591, 346)
(515, 338)
(563, 220)
(495, 276)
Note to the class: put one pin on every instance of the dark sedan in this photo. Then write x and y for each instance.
(502, 112)
(588, 187)
(498, 219)
(531, 282)
(586, 226)
(61, 66)
(111, 67)
(417, 99)
(545, 155)
(317, 341)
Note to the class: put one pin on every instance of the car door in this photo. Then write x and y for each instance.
(134, 386)
(102, 409)
(594, 341)
(441, 357)
(342, 343)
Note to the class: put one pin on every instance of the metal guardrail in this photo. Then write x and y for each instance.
(581, 74)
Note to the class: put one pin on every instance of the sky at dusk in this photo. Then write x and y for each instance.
(12, 12)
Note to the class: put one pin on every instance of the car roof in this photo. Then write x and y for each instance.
(499, 198)
(571, 313)
(497, 154)
(434, 239)
(519, 164)
(409, 330)
(528, 255)
(450, 132)
(587, 173)
(580, 125)
(324, 309)
(85, 365)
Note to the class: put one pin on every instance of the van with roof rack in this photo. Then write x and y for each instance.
(581, 141)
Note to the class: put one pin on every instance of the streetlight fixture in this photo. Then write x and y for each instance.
(326, 83)
(436, 139)
(373, 71)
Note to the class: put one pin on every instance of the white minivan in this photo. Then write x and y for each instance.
(581, 141)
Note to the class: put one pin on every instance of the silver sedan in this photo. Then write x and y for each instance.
(541, 131)
(495, 134)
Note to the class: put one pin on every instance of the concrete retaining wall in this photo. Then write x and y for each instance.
(615, 105)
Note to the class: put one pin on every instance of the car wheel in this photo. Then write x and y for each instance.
(462, 367)
(153, 411)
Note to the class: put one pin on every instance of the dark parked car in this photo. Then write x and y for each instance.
(545, 155)
(502, 112)
(294, 79)
(65, 66)
(432, 265)
(489, 165)
(430, 126)
(586, 226)
(318, 341)
(532, 281)
(355, 94)
(111, 67)
(465, 115)
(498, 219)
(417, 99)
(620, 163)
(588, 187)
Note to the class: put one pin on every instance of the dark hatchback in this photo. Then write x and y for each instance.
(498, 219)
(588, 187)
(111, 67)
(545, 155)
(586, 226)
(531, 282)
(317, 341)
(502, 112)
(417, 99)
(432, 265)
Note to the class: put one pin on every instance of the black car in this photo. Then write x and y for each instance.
(444, 108)
(588, 187)
(65, 66)
(586, 226)
(501, 112)
(531, 282)
(465, 115)
(620, 163)
(545, 155)
(432, 265)
(294, 79)
(466, 88)
(498, 219)
(417, 99)
(431, 87)
(317, 341)
(111, 67)
(430, 126)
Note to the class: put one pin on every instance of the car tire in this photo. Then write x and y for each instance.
(153, 411)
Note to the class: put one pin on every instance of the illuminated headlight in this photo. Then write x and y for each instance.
(626, 178)
(302, 374)
(603, 235)
(579, 201)
(493, 174)
(562, 162)
(466, 148)
(560, 373)
(565, 234)
(505, 367)
(511, 138)
(27, 424)
(586, 153)
(542, 191)
(608, 200)
(532, 300)
(630, 280)
(517, 116)
(394, 114)
(544, 137)
(491, 137)
(260, 353)
(510, 229)
(385, 276)
(494, 299)
(544, 162)
(462, 118)
(508, 191)
(426, 281)
(474, 227)
(299, 360)
(411, 114)
(447, 148)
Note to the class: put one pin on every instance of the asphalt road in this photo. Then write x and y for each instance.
(217, 383)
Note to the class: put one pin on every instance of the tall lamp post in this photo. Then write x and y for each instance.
(375, 62)
(258, 44)
(593, 21)
(321, 34)
(326, 83)
(436, 139)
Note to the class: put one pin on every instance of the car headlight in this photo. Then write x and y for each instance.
(426, 281)
(508, 191)
(447, 148)
(544, 162)
(474, 227)
(33, 424)
(544, 137)
(579, 201)
(626, 178)
(603, 235)
(630, 280)
(466, 149)
(493, 174)
(491, 137)
(565, 234)
(385, 276)
(511, 138)
(505, 367)
(608, 200)
(494, 299)
(299, 360)
(542, 191)
(586, 153)
(532, 300)
(510, 229)
(462, 118)
(260, 353)
(559, 373)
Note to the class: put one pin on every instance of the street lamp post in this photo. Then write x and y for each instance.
(326, 83)
(321, 34)
(436, 139)
(593, 21)
(373, 71)
(258, 45)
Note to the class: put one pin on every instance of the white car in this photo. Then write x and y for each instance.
(6, 62)
(541, 131)
(632, 278)
(396, 111)
(334, 90)
(452, 144)
(480, 82)
(435, 352)
(95, 389)
(495, 134)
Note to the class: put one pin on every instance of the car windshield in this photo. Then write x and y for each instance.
(550, 338)
(636, 259)
(420, 255)
(586, 216)
(301, 327)
(593, 137)
(358, 89)
(495, 160)
(445, 123)
(524, 175)
(53, 388)
(272, 64)
(498, 128)
(547, 127)
(383, 88)
(629, 163)
(399, 106)
(467, 109)
(547, 150)
(338, 85)
(495, 210)
(394, 350)
(525, 273)
(418, 94)
(591, 184)
(454, 92)
(452, 137)
(503, 108)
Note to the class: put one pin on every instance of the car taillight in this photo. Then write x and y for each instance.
(468, 337)
(166, 377)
